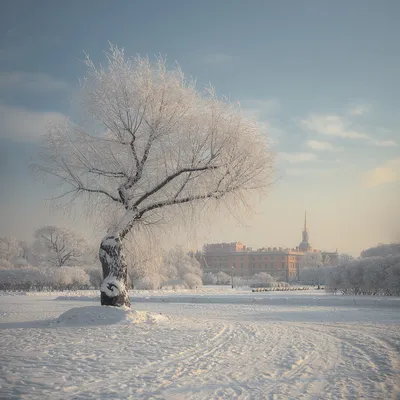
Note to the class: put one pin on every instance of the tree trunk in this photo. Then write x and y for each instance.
(114, 289)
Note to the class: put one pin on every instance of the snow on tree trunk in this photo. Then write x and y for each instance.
(114, 289)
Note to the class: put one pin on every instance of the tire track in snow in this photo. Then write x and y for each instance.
(362, 355)
(172, 364)
(202, 362)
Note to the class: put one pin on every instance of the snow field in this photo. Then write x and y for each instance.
(215, 350)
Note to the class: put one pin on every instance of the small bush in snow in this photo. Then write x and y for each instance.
(150, 282)
(95, 276)
(263, 279)
(209, 278)
(192, 280)
(5, 264)
(223, 278)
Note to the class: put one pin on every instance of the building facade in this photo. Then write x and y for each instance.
(237, 259)
(240, 260)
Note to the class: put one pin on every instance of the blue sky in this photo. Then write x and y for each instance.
(321, 75)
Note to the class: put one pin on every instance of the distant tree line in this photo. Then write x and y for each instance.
(59, 259)
(375, 272)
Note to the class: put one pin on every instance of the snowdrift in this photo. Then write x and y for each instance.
(103, 315)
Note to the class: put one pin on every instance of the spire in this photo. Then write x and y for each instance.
(305, 244)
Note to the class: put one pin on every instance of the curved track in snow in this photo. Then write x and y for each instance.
(205, 351)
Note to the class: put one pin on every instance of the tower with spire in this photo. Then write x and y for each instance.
(305, 244)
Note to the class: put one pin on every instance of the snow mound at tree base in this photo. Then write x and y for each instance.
(104, 315)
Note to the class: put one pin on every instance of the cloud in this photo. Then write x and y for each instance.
(359, 110)
(317, 145)
(385, 173)
(334, 125)
(383, 143)
(260, 107)
(216, 59)
(310, 172)
(294, 158)
(20, 124)
(34, 82)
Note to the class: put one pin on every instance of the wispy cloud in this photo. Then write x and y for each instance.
(216, 59)
(294, 158)
(334, 125)
(20, 124)
(260, 107)
(359, 110)
(35, 82)
(310, 171)
(385, 173)
(321, 146)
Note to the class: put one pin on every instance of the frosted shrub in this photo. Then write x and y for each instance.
(5, 264)
(192, 280)
(263, 279)
(314, 275)
(21, 263)
(150, 282)
(209, 278)
(29, 278)
(10, 248)
(392, 281)
(71, 278)
(95, 277)
(223, 278)
(367, 276)
(382, 250)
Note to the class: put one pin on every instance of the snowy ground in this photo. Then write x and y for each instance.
(204, 345)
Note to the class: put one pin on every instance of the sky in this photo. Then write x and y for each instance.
(321, 76)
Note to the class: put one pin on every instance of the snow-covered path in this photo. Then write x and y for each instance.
(203, 351)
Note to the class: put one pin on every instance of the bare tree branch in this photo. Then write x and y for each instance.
(169, 179)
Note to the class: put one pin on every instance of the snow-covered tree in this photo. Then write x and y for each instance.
(326, 261)
(382, 250)
(369, 276)
(157, 145)
(10, 248)
(209, 278)
(179, 264)
(311, 260)
(223, 278)
(5, 264)
(345, 258)
(33, 278)
(58, 247)
(314, 275)
(144, 262)
(263, 279)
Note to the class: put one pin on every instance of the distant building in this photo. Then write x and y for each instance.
(330, 257)
(305, 245)
(243, 261)
(281, 263)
